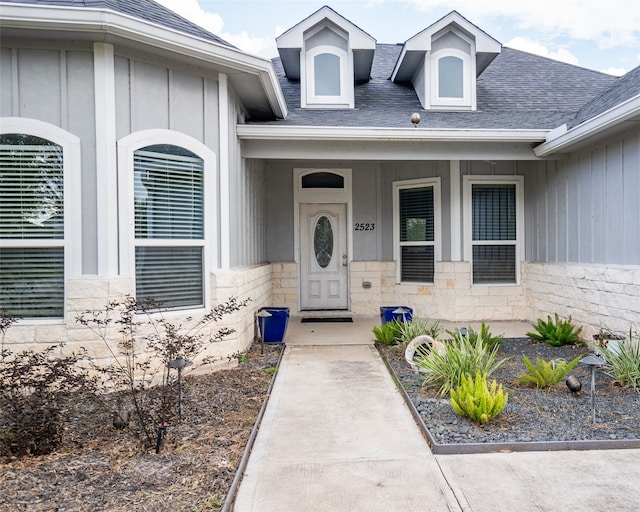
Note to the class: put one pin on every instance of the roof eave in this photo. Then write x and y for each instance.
(274, 132)
(101, 22)
(561, 139)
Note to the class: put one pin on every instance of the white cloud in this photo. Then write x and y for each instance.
(191, 10)
(609, 23)
(614, 71)
(213, 22)
(261, 46)
(528, 45)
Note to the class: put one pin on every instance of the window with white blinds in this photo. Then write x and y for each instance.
(31, 226)
(417, 234)
(494, 233)
(169, 226)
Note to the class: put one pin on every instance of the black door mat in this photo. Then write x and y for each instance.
(328, 319)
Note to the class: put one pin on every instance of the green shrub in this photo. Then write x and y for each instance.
(473, 398)
(545, 373)
(387, 334)
(558, 333)
(623, 361)
(484, 334)
(461, 356)
(418, 327)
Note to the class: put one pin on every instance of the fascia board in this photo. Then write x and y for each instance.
(114, 24)
(272, 132)
(597, 125)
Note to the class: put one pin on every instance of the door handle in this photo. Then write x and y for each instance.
(344, 260)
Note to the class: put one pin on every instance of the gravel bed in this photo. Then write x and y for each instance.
(531, 415)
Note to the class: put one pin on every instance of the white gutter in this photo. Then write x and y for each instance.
(561, 139)
(275, 132)
(56, 18)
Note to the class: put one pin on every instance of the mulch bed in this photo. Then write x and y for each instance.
(101, 468)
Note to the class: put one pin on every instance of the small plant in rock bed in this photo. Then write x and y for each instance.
(388, 333)
(418, 327)
(462, 356)
(545, 374)
(623, 361)
(558, 333)
(484, 334)
(131, 374)
(34, 387)
(474, 398)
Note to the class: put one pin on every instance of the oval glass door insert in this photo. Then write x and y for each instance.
(323, 241)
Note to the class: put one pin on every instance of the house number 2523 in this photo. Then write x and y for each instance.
(365, 226)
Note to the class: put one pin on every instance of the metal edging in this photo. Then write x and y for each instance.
(235, 483)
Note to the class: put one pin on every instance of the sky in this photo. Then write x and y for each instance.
(603, 35)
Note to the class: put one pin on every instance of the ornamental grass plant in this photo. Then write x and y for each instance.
(461, 356)
(623, 361)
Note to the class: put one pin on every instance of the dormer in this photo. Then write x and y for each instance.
(328, 55)
(444, 60)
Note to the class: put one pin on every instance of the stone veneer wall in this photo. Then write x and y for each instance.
(451, 297)
(595, 296)
(285, 286)
(94, 294)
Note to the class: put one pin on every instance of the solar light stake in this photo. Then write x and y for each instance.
(593, 361)
(180, 363)
(264, 314)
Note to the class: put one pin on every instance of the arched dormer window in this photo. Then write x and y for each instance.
(451, 84)
(327, 84)
(450, 77)
(326, 71)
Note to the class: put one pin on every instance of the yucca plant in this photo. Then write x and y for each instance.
(474, 398)
(461, 356)
(545, 374)
(623, 361)
(387, 334)
(418, 327)
(558, 333)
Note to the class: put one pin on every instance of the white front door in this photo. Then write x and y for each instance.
(323, 256)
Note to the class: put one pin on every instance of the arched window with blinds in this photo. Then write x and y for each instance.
(169, 226)
(31, 226)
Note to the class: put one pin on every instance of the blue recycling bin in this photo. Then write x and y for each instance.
(387, 314)
(273, 327)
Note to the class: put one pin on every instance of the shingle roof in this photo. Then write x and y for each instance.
(517, 91)
(146, 10)
(624, 88)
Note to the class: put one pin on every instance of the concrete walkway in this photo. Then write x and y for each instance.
(337, 436)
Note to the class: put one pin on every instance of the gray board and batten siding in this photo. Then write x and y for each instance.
(53, 81)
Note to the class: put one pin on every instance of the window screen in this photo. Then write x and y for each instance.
(327, 74)
(417, 234)
(494, 233)
(450, 77)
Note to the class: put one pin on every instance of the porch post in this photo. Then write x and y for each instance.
(455, 210)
